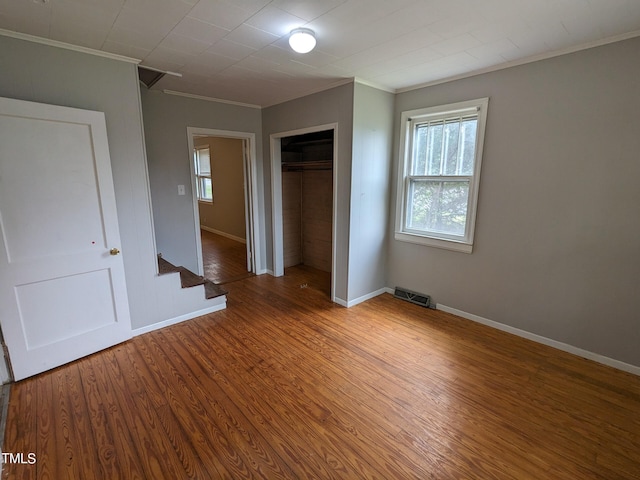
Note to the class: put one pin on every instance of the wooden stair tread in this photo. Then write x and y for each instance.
(189, 279)
(211, 290)
(165, 267)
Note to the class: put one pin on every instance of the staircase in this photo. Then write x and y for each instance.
(189, 279)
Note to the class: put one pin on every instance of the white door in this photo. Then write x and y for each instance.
(62, 286)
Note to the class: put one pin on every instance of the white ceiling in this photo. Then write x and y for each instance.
(237, 50)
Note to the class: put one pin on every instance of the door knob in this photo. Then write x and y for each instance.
(114, 251)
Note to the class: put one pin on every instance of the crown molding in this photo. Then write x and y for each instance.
(524, 61)
(375, 85)
(67, 46)
(210, 99)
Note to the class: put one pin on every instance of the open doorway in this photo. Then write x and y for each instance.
(303, 195)
(222, 173)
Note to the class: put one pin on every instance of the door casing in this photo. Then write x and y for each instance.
(276, 198)
(254, 260)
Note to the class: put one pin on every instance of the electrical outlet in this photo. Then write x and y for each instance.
(181, 190)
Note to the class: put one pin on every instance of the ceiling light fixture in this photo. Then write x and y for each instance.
(302, 40)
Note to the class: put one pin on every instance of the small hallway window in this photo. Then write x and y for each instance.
(204, 182)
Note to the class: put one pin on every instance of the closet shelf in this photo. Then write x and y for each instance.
(307, 165)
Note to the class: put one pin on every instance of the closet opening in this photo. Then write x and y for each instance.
(306, 171)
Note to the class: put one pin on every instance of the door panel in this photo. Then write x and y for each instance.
(29, 192)
(62, 293)
(34, 301)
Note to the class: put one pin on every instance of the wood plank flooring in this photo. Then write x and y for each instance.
(224, 259)
(286, 385)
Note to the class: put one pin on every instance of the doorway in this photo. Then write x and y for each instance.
(304, 166)
(222, 177)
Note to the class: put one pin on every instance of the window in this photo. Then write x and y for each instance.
(439, 174)
(204, 183)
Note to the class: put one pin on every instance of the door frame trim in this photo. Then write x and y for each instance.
(250, 188)
(276, 198)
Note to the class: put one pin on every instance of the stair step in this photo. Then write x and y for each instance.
(211, 290)
(165, 267)
(189, 279)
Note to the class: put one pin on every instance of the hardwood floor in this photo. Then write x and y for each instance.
(285, 384)
(224, 259)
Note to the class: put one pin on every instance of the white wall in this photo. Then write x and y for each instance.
(166, 118)
(557, 246)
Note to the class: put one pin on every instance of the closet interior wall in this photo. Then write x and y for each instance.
(307, 204)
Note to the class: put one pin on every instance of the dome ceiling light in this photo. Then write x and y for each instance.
(302, 40)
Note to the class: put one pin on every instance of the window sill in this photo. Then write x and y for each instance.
(206, 202)
(434, 242)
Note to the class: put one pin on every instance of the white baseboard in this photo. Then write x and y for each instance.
(181, 318)
(340, 302)
(364, 298)
(224, 234)
(544, 340)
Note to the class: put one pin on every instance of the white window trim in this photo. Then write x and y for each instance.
(440, 241)
(198, 176)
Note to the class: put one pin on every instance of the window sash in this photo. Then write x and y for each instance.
(448, 147)
(460, 176)
(204, 186)
(203, 161)
(202, 167)
(444, 212)
(442, 155)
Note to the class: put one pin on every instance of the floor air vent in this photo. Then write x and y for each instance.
(413, 297)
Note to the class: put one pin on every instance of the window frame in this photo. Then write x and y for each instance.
(199, 178)
(409, 120)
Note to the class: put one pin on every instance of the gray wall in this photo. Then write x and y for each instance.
(166, 118)
(370, 186)
(331, 106)
(557, 247)
(39, 73)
